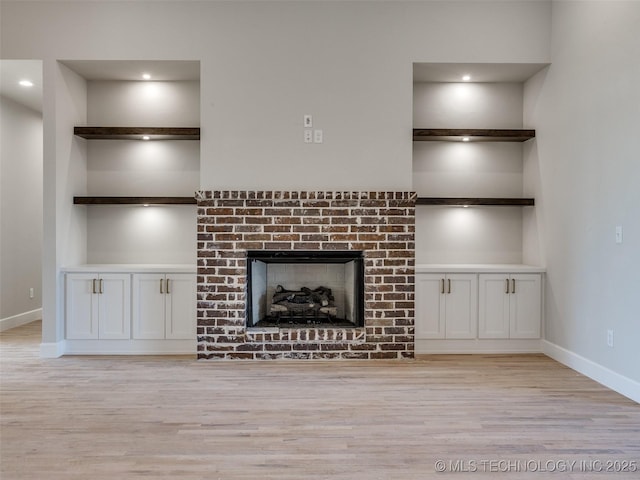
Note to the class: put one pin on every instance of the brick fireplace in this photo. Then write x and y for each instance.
(381, 225)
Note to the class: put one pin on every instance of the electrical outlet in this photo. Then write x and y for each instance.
(31, 293)
(610, 338)
(317, 136)
(308, 136)
(619, 234)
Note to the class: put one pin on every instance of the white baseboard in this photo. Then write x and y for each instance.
(130, 347)
(477, 346)
(52, 350)
(610, 379)
(20, 319)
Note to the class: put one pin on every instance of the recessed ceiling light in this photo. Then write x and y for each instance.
(146, 137)
(145, 204)
(466, 78)
(146, 76)
(465, 206)
(465, 139)
(25, 83)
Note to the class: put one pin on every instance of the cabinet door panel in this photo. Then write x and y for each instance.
(461, 306)
(493, 319)
(148, 306)
(81, 304)
(429, 306)
(115, 306)
(180, 303)
(525, 306)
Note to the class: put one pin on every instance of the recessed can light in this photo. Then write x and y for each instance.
(145, 204)
(465, 139)
(25, 83)
(466, 78)
(146, 137)
(146, 76)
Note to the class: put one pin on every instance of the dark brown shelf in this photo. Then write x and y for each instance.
(475, 135)
(507, 202)
(136, 133)
(134, 200)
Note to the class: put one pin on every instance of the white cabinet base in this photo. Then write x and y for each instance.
(99, 304)
(498, 346)
(130, 347)
(506, 305)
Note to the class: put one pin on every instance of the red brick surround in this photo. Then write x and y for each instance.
(382, 224)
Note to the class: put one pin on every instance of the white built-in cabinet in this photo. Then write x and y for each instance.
(98, 306)
(123, 311)
(509, 305)
(446, 305)
(165, 306)
(482, 311)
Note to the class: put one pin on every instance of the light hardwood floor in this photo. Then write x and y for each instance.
(178, 418)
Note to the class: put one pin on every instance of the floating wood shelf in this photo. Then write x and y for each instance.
(136, 133)
(509, 202)
(134, 200)
(474, 135)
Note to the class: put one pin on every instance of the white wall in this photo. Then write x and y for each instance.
(143, 104)
(21, 208)
(137, 234)
(587, 118)
(467, 105)
(263, 66)
(266, 64)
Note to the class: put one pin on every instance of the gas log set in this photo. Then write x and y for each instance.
(303, 306)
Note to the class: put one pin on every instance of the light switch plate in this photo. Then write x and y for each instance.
(307, 121)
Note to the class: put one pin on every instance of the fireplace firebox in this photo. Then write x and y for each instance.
(305, 289)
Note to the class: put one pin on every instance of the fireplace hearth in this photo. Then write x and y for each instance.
(334, 238)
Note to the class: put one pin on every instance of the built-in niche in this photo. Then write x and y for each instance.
(139, 142)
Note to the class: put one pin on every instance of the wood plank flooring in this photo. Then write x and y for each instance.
(484, 416)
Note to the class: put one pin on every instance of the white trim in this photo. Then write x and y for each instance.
(477, 346)
(478, 268)
(619, 383)
(20, 319)
(130, 268)
(52, 350)
(130, 347)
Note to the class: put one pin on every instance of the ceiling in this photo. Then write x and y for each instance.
(12, 72)
(160, 70)
(480, 72)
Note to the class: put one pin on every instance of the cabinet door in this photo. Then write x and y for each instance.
(525, 305)
(493, 316)
(461, 317)
(81, 306)
(429, 306)
(180, 301)
(114, 306)
(148, 306)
